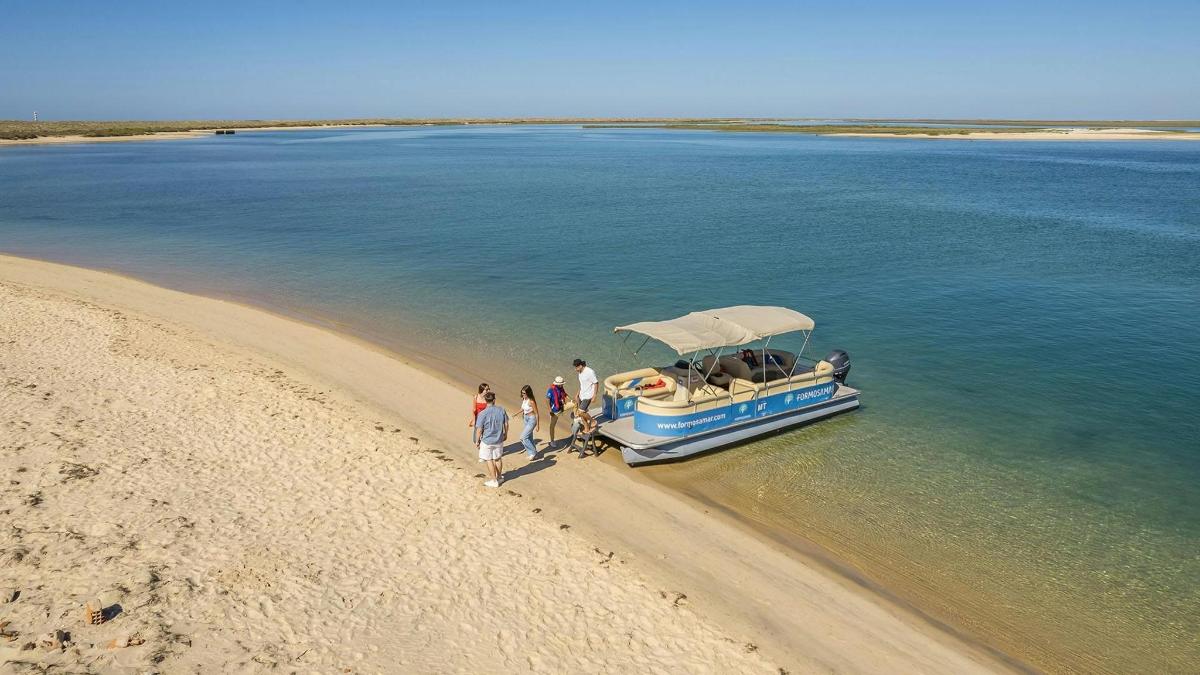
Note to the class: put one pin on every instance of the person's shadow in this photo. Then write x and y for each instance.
(545, 460)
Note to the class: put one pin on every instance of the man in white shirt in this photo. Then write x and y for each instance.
(588, 385)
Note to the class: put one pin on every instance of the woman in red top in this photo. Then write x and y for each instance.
(477, 402)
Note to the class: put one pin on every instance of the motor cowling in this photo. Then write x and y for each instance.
(840, 361)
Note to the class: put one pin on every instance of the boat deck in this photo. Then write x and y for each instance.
(622, 432)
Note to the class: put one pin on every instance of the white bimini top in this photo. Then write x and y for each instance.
(724, 327)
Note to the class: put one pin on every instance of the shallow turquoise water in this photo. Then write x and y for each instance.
(1022, 317)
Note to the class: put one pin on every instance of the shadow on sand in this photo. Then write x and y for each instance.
(546, 458)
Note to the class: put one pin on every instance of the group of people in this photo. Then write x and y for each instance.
(489, 421)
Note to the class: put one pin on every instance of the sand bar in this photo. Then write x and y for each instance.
(170, 135)
(253, 492)
(56, 140)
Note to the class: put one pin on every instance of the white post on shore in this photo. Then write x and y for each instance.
(34, 115)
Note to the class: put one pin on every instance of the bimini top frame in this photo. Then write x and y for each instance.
(716, 329)
(724, 327)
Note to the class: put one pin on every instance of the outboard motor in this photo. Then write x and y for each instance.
(840, 361)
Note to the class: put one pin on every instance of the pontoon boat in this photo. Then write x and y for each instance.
(714, 399)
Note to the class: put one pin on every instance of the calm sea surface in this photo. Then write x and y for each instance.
(1023, 319)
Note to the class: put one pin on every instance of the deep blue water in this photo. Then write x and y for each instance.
(1022, 318)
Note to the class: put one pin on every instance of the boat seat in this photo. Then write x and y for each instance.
(654, 386)
(779, 364)
(803, 377)
(735, 367)
(771, 373)
(743, 389)
(706, 392)
(645, 382)
(721, 380)
(806, 376)
(716, 376)
(785, 359)
(680, 375)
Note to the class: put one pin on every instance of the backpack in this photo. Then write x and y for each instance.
(557, 396)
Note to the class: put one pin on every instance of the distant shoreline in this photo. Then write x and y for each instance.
(997, 133)
(1115, 134)
(165, 135)
(20, 132)
(41, 133)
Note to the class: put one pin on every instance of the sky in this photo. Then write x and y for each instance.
(301, 59)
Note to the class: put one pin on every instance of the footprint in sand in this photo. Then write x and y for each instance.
(680, 600)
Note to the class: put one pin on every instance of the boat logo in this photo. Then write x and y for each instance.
(743, 408)
(788, 399)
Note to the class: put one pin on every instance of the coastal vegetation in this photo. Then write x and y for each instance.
(23, 130)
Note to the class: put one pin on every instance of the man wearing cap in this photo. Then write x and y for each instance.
(557, 396)
(491, 430)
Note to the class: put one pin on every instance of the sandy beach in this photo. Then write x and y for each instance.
(244, 492)
(166, 135)
(57, 140)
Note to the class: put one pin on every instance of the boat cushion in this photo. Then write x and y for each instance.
(735, 367)
(719, 380)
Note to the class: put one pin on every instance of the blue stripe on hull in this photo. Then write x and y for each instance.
(706, 442)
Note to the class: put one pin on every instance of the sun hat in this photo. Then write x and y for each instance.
(559, 380)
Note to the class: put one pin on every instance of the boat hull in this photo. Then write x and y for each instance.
(669, 449)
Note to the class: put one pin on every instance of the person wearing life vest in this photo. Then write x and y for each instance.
(558, 401)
